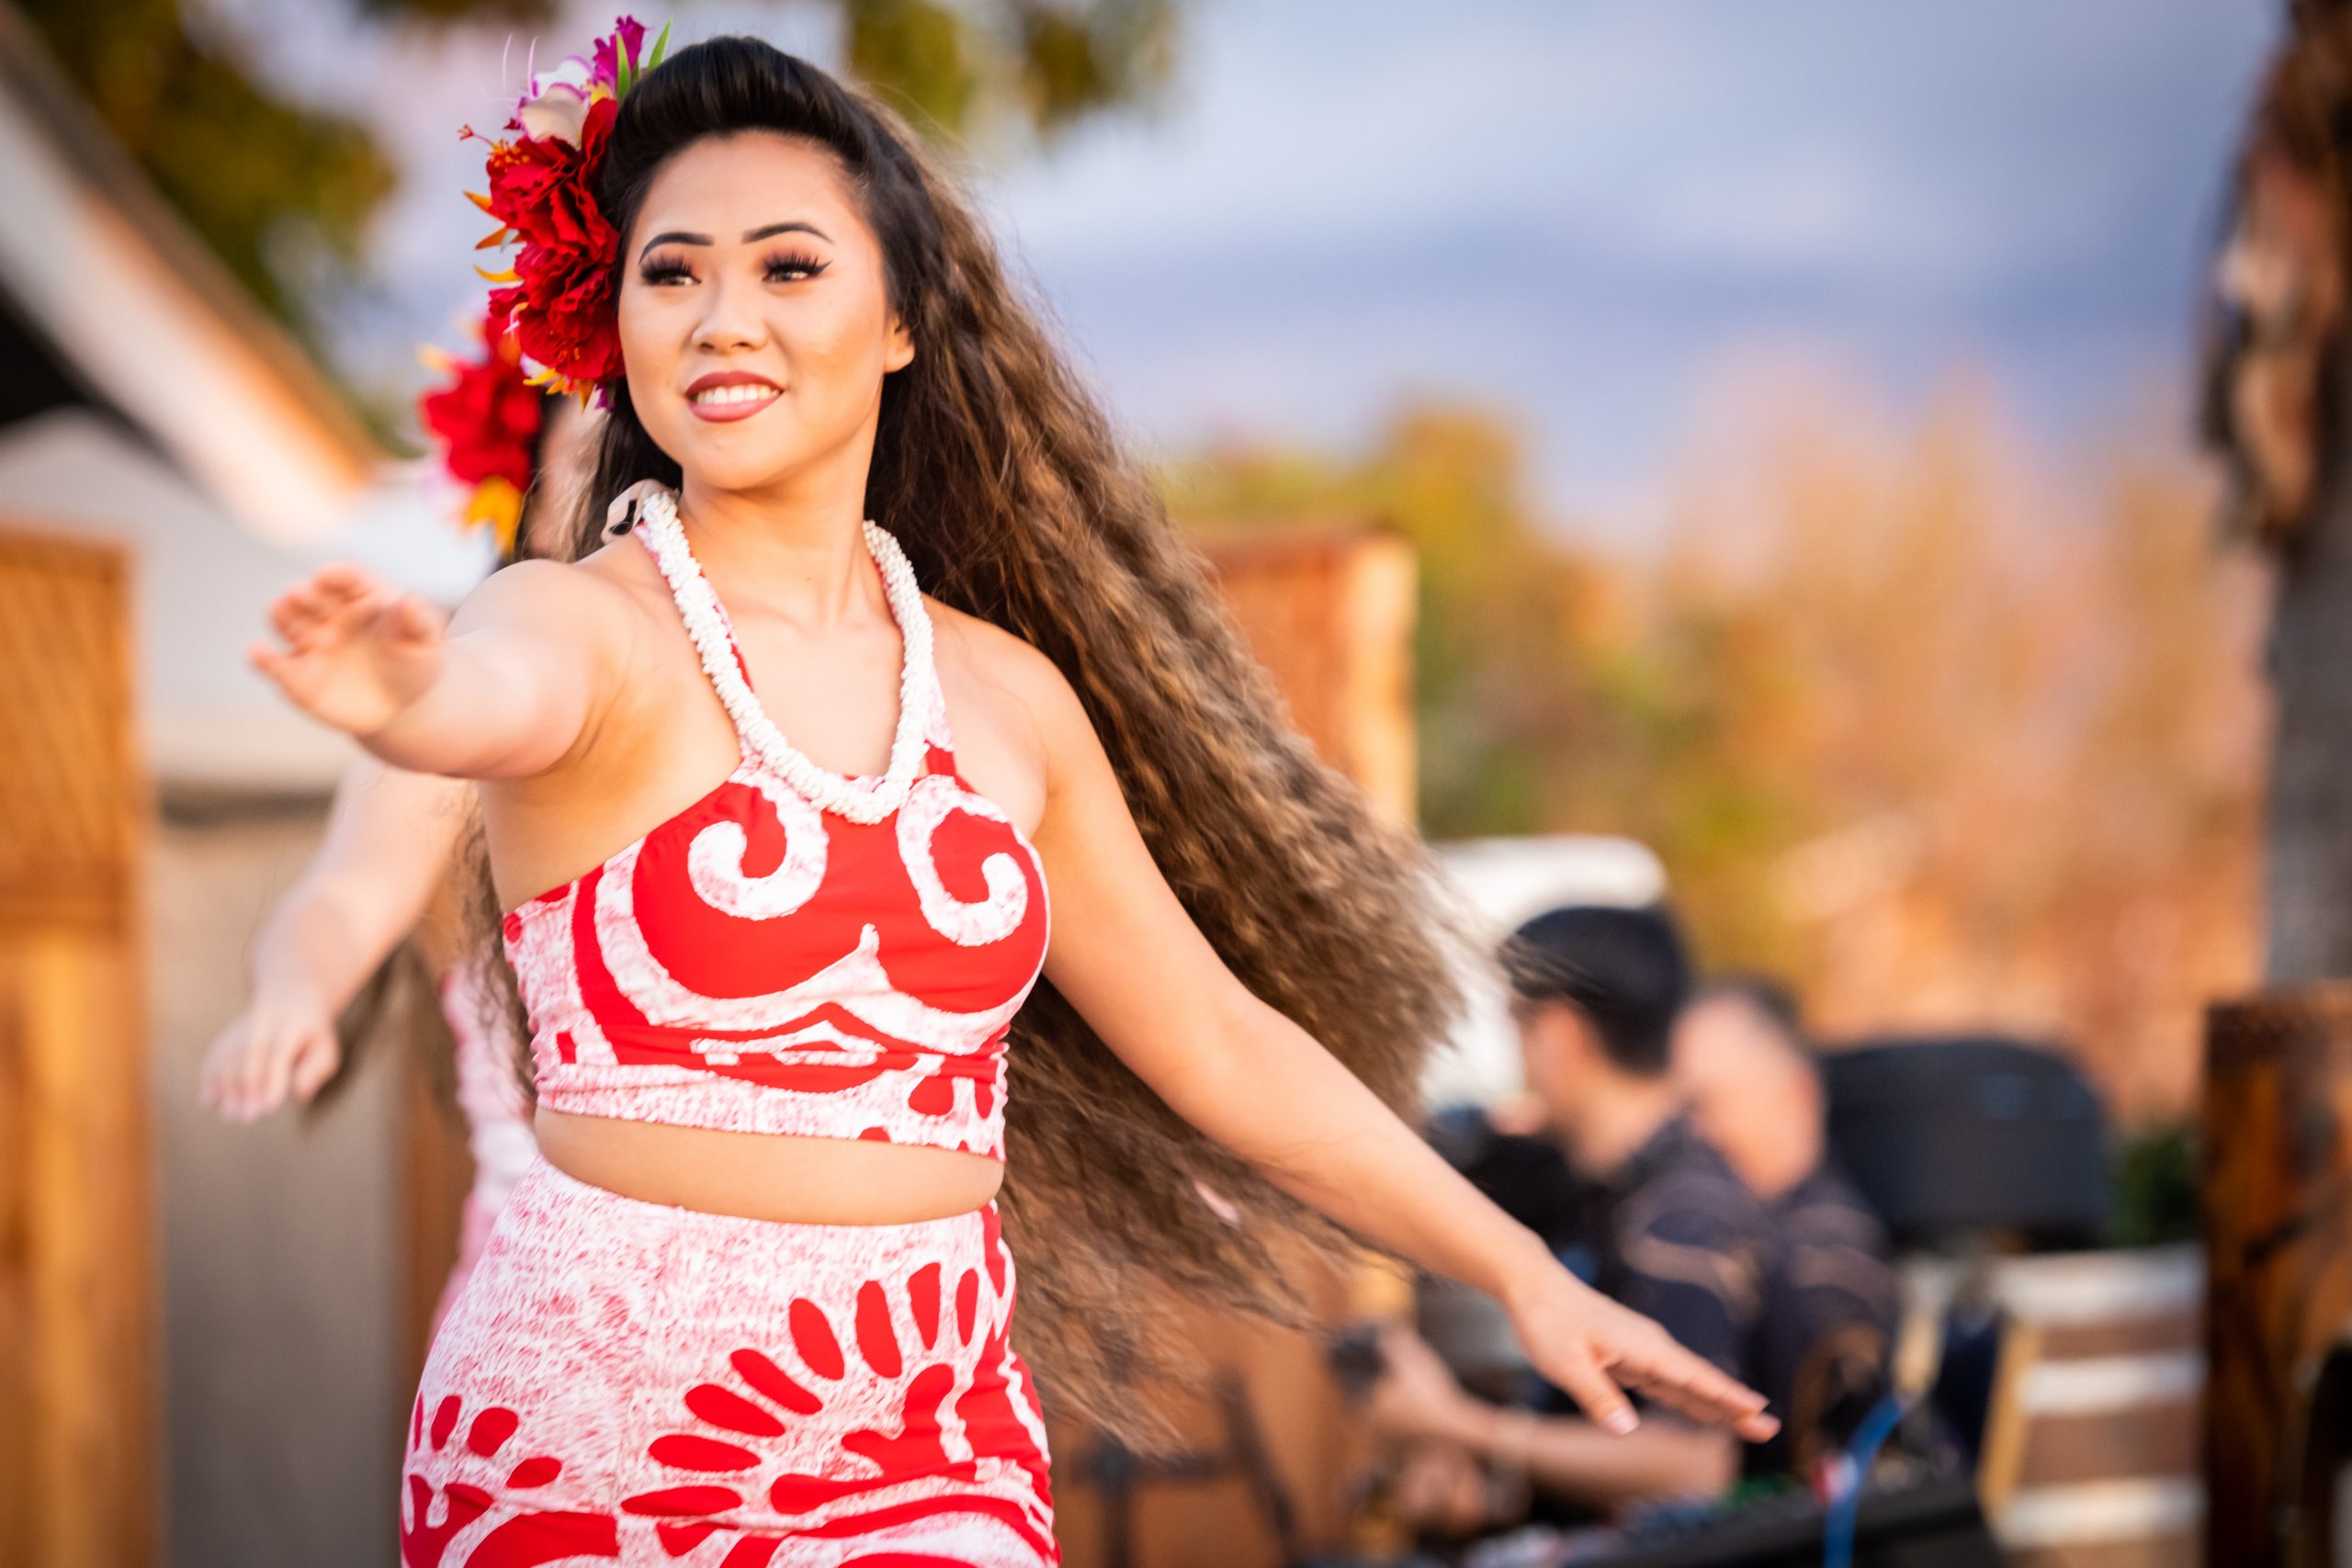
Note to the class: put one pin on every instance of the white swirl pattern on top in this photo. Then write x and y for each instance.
(783, 956)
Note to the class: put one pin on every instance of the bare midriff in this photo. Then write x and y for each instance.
(762, 1176)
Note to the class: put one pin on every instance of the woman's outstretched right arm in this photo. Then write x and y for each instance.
(506, 690)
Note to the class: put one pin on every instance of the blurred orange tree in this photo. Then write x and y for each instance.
(1946, 747)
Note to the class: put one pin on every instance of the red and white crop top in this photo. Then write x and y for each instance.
(798, 952)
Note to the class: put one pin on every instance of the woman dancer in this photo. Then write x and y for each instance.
(752, 1306)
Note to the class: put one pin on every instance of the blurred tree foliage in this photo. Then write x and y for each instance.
(1944, 745)
(1514, 666)
(1051, 63)
(520, 12)
(237, 162)
(948, 66)
(249, 169)
(2155, 1175)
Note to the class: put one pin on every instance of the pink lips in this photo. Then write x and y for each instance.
(720, 413)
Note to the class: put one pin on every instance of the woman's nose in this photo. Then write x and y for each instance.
(730, 320)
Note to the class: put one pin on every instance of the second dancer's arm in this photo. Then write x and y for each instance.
(389, 838)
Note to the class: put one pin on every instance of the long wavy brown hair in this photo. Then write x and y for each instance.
(999, 472)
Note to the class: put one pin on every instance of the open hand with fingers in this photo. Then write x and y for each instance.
(352, 650)
(279, 1047)
(1597, 1351)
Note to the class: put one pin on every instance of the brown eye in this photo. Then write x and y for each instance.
(664, 269)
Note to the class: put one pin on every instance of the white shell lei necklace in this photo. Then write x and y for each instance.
(656, 511)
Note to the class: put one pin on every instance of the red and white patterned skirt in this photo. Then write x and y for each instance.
(627, 1382)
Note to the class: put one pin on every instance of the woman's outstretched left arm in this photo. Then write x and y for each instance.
(1128, 957)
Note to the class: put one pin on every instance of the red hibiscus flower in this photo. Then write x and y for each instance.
(486, 421)
(559, 296)
(561, 301)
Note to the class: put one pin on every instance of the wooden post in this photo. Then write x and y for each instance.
(77, 1385)
(2277, 1224)
(1329, 613)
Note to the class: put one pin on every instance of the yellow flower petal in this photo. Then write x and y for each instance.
(499, 505)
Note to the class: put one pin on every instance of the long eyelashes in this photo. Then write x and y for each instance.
(790, 266)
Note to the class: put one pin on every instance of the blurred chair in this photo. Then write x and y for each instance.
(1957, 1139)
(2071, 1381)
(2069, 1374)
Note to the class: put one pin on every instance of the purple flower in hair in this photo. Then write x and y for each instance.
(627, 37)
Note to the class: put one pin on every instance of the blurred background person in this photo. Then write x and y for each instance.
(1663, 1226)
(1746, 1070)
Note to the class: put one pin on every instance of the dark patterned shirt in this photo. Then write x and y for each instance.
(1673, 1235)
(1830, 1309)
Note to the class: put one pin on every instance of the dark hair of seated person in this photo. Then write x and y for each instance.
(1625, 970)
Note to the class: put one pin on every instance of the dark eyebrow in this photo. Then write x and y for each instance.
(680, 237)
(673, 237)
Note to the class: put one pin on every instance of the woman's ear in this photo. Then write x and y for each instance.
(898, 352)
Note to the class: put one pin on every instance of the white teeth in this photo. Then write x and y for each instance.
(744, 392)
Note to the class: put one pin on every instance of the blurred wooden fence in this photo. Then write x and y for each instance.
(77, 1406)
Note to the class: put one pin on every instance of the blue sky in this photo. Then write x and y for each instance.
(1590, 217)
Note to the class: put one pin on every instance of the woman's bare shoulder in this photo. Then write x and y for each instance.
(1012, 668)
(998, 657)
(595, 592)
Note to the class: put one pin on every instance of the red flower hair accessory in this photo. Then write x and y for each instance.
(486, 418)
(557, 297)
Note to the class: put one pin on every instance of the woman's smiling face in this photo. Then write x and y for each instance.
(755, 313)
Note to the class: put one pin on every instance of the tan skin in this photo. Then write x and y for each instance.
(380, 877)
(1751, 1092)
(572, 694)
